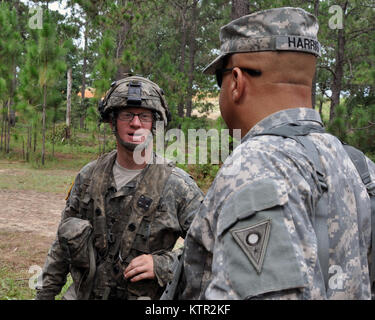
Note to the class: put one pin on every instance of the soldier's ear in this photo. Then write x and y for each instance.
(237, 84)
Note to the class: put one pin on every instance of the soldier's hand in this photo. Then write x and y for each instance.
(141, 267)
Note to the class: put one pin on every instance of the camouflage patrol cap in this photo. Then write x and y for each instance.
(286, 29)
(134, 91)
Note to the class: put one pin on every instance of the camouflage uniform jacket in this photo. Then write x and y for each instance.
(252, 237)
(157, 233)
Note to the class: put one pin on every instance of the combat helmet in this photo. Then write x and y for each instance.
(134, 91)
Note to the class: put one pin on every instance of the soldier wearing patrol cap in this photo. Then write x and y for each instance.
(123, 216)
(288, 216)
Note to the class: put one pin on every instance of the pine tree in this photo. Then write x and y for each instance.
(104, 72)
(43, 68)
(105, 67)
(10, 53)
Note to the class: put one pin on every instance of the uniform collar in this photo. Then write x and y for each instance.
(283, 117)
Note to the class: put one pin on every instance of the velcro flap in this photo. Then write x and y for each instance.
(73, 228)
(256, 196)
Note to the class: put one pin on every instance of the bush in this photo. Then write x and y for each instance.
(356, 128)
(59, 135)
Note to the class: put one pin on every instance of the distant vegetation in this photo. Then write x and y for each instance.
(55, 67)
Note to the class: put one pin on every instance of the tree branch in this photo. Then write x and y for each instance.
(369, 126)
(325, 93)
(357, 33)
(327, 68)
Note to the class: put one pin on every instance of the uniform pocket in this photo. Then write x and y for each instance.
(73, 235)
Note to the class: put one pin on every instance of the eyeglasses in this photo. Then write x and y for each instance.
(219, 73)
(129, 116)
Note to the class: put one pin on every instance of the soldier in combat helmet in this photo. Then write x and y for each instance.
(123, 215)
(289, 214)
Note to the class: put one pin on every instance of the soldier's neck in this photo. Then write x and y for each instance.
(133, 160)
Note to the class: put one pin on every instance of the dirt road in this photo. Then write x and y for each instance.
(30, 211)
(28, 224)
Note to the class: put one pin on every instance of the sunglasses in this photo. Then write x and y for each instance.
(219, 73)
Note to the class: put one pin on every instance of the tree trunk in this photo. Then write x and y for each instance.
(13, 85)
(240, 8)
(54, 137)
(4, 128)
(35, 138)
(83, 86)
(5, 134)
(313, 90)
(28, 146)
(339, 74)
(11, 115)
(3, 119)
(44, 123)
(68, 103)
(339, 69)
(321, 108)
(122, 69)
(192, 52)
(7, 149)
(23, 149)
(183, 30)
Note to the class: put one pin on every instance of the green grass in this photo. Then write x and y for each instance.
(69, 281)
(15, 286)
(79, 150)
(19, 176)
(325, 111)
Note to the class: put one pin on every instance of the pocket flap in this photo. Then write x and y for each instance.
(73, 231)
(257, 196)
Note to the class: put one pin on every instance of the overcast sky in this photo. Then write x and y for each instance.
(61, 8)
(55, 5)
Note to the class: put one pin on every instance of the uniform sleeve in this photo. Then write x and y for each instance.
(54, 273)
(56, 266)
(371, 166)
(163, 265)
(187, 199)
(253, 256)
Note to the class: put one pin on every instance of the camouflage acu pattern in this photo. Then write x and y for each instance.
(277, 187)
(151, 94)
(285, 29)
(73, 235)
(156, 233)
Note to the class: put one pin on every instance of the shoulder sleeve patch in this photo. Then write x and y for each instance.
(253, 241)
(259, 257)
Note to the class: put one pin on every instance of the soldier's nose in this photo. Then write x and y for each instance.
(135, 121)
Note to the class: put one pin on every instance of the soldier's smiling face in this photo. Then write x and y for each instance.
(136, 130)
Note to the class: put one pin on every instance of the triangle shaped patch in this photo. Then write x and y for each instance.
(253, 241)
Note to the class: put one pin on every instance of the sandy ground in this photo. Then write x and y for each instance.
(28, 224)
(30, 211)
